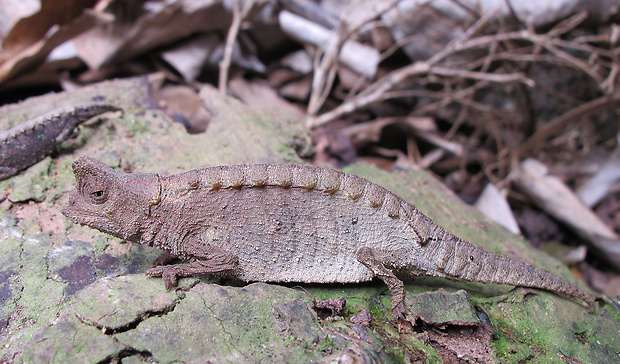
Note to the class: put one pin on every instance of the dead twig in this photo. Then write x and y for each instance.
(552, 127)
(482, 76)
(439, 64)
(610, 83)
(371, 94)
(445, 98)
(358, 13)
(552, 195)
(233, 31)
(375, 92)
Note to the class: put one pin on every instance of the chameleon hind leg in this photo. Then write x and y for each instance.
(372, 259)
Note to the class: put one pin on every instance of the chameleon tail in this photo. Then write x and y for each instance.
(471, 263)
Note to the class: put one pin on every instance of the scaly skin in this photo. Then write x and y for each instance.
(30, 142)
(286, 223)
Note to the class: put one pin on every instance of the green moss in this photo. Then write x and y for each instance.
(368, 296)
(410, 349)
(326, 345)
(36, 299)
(70, 341)
(545, 327)
(29, 185)
(100, 245)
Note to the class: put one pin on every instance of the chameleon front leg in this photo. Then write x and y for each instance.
(207, 259)
(372, 260)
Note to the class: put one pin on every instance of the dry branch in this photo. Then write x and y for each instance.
(553, 196)
(563, 120)
(377, 91)
(238, 16)
(454, 62)
(357, 14)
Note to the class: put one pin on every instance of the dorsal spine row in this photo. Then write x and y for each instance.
(299, 176)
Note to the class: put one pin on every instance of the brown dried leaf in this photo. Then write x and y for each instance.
(31, 29)
(183, 105)
(25, 51)
(298, 89)
(13, 11)
(190, 56)
(260, 96)
(361, 12)
(159, 25)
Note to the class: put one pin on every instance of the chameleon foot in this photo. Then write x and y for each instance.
(372, 260)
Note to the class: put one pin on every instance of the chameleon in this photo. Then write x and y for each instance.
(30, 142)
(286, 223)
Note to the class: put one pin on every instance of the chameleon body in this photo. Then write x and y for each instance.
(286, 223)
(30, 142)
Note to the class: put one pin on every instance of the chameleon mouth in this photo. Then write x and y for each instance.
(87, 217)
(72, 211)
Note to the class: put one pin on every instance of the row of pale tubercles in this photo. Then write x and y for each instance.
(298, 176)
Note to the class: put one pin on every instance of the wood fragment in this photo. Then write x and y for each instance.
(553, 196)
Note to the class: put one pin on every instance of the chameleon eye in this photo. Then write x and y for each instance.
(98, 196)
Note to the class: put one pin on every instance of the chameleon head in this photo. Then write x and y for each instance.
(113, 202)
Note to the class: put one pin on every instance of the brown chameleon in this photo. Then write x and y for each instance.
(286, 223)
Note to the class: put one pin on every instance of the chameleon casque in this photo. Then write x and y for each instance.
(286, 223)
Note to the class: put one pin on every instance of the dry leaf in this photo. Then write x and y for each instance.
(190, 56)
(184, 105)
(260, 96)
(29, 43)
(159, 25)
(492, 203)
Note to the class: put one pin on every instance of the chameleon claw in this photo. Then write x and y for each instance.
(168, 274)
